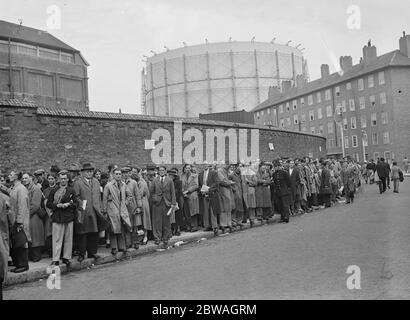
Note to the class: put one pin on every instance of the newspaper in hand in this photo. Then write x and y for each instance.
(84, 204)
(172, 209)
(204, 189)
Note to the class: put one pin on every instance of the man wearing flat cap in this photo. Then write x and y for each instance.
(73, 173)
(87, 190)
(39, 176)
(282, 189)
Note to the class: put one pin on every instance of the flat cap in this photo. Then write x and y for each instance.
(74, 168)
(125, 169)
(38, 172)
(63, 172)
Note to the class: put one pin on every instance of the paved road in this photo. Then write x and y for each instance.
(305, 259)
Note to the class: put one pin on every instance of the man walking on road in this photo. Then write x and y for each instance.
(382, 171)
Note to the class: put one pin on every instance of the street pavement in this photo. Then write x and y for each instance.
(305, 259)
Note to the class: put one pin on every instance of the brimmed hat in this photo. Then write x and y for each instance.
(172, 172)
(87, 166)
(63, 172)
(38, 172)
(150, 168)
(73, 168)
(125, 169)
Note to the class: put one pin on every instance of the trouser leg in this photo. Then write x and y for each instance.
(166, 226)
(82, 243)
(92, 243)
(206, 213)
(252, 214)
(213, 218)
(58, 237)
(285, 207)
(68, 240)
(259, 213)
(21, 257)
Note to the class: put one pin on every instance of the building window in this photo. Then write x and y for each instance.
(321, 129)
(330, 127)
(363, 121)
(288, 121)
(376, 155)
(312, 130)
(348, 86)
(302, 102)
(294, 104)
(331, 142)
(310, 100)
(319, 97)
(375, 138)
(386, 138)
(319, 113)
(345, 126)
(362, 103)
(327, 94)
(373, 119)
(295, 119)
(372, 101)
(303, 117)
(344, 106)
(354, 141)
(268, 111)
(329, 111)
(346, 142)
(281, 108)
(287, 107)
(337, 90)
(352, 105)
(304, 128)
(381, 77)
(385, 117)
(383, 98)
(262, 112)
(370, 81)
(353, 122)
(257, 114)
(360, 85)
(311, 115)
(282, 123)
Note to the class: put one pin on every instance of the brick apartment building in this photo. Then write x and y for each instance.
(367, 103)
(39, 67)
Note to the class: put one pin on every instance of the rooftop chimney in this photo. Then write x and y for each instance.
(286, 86)
(369, 53)
(324, 69)
(273, 93)
(346, 63)
(300, 81)
(404, 43)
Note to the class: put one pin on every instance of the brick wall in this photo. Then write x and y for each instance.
(32, 138)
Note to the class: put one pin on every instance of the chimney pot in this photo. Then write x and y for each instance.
(324, 69)
(369, 53)
(404, 44)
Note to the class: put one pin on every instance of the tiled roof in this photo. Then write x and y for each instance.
(18, 103)
(394, 58)
(32, 36)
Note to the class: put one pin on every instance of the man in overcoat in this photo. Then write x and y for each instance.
(282, 189)
(87, 190)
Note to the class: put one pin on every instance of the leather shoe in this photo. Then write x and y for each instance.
(67, 262)
(55, 263)
(94, 256)
(80, 258)
(20, 270)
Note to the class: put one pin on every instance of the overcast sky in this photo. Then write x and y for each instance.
(114, 35)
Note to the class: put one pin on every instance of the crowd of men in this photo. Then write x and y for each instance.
(69, 212)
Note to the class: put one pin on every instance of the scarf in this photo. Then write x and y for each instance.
(59, 195)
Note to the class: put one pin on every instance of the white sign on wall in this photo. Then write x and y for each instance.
(149, 144)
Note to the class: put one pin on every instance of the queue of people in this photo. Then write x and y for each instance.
(70, 212)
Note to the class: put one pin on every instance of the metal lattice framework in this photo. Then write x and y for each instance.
(217, 77)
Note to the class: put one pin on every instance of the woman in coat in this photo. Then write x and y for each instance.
(191, 200)
(47, 221)
(263, 196)
(146, 215)
(348, 179)
(226, 197)
(325, 185)
(36, 223)
(249, 181)
(237, 213)
(4, 241)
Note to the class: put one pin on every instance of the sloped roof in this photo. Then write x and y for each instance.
(32, 36)
(394, 58)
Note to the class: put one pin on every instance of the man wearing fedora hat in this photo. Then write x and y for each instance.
(87, 189)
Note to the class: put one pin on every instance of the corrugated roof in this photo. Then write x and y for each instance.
(394, 58)
(32, 36)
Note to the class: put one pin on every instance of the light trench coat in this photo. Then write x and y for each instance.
(114, 205)
(20, 207)
(190, 184)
